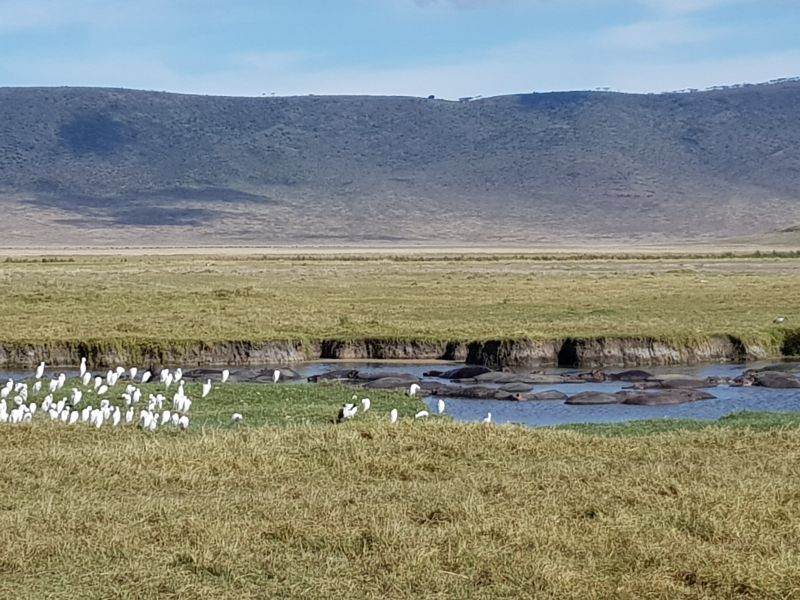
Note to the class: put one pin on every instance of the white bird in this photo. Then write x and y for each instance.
(206, 388)
(85, 414)
(40, 370)
(129, 415)
(65, 415)
(87, 377)
(487, 418)
(236, 417)
(412, 391)
(116, 417)
(133, 371)
(37, 386)
(32, 408)
(163, 375)
(183, 422)
(178, 374)
(393, 416)
(276, 375)
(77, 395)
(165, 416)
(421, 414)
(146, 376)
(348, 411)
(103, 389)
(83, 366)
(366, 403)
(168, 380)
(225, 374)
(440, 406)
(144, 419)
(98, 381)
(175, 419)
(73, 417)
(53, 385)
(120, 371)
(61, 404)
(779, 320)
(153, 423)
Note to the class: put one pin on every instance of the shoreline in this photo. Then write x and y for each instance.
(496, 354)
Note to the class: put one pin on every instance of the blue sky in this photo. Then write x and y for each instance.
(449, 48)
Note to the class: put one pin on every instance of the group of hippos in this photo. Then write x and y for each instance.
(482, 383)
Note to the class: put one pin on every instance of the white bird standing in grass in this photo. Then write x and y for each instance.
(236, 418)
(98, 381)
(37, 386)
(412, 391)
(276, 375)
(488, 418)
(133, 371)
(393, 416)
(102, 390)
(82, 369)
(779, 320)
(86, 378)
(366, 403)
(206, 388)
(348, 411)
(40, 370)
(183, 422)
(422, 414)
(146, 376)
(440, 406)
(225, 375)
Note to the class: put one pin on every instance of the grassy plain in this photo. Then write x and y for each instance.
(160, 299)
(417, 510)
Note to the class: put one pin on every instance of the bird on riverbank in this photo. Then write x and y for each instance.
(225, 374)
(393, 416)
(487, 419)
(276, 375)
(440, 406)
(366, 403)
(348, 411)
(236, 418)
(779, 320)
(206, 388)
(422, 414)
(412, 391)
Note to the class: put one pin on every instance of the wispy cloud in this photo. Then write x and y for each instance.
(659, 34)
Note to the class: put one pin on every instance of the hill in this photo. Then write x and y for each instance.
(86, 166)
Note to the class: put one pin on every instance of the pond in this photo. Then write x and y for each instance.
(549, 412)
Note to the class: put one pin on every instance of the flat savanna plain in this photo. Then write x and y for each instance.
(290, 505)
(223, 298)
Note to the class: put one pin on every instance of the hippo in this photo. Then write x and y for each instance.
(631, 375)
(460, 372)
(774, 379)
(585, 398)
(389, 383)
(664, 397)
(516, 387)
(338, 375)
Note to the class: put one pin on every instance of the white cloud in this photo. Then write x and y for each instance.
(657, 34)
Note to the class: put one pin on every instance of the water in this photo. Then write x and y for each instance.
(548, 413)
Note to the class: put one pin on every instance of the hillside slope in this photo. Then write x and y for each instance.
(85, 166)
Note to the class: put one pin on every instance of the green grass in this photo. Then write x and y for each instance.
(159, 301)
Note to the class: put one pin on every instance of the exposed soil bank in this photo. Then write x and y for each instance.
(570, 352)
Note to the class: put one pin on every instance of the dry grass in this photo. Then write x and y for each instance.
(165, 299)
(420, 510)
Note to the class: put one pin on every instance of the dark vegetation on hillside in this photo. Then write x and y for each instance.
(510, 169)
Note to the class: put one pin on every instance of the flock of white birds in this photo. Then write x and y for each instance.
(90, 400)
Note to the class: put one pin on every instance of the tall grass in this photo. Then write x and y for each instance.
(419, 510)
(159, 300)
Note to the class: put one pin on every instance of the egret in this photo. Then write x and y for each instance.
(178, 374)
(133, 371)
(236, 417)
(146, 376)
(73, 417)
(183, 422)
(225, 374)
(129, 415)
(64, 415)
(85, 414)
(168, 380)
(77, 395)
(175, 419)
(779, 320)
(153, 423)
(393, 416)
(52, 413)
(61, 404)
(37, 386)
(488, 418)
(348, 411)
(421, 414)
(32, 408)
(98, 381)
(412, 391)
(206, 388)
(83, 366)
(165, 416)
(120, 371)
(366, 403)
(102, 390)
(40, 370)
(116, 417)
(440, 406)
(144, 419)
(53, 385)
(86, 378)
(62, 379)
(276, 375)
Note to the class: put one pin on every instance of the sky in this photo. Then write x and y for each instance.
(448, 48)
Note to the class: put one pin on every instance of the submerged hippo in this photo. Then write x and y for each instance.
(664, 397)
(630, 375)
(389, 383)
(459, 373)
(549, 395)
(774, 379)
(587, 398)
(338, 375)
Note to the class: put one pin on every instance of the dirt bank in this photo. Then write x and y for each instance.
(592, 352)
